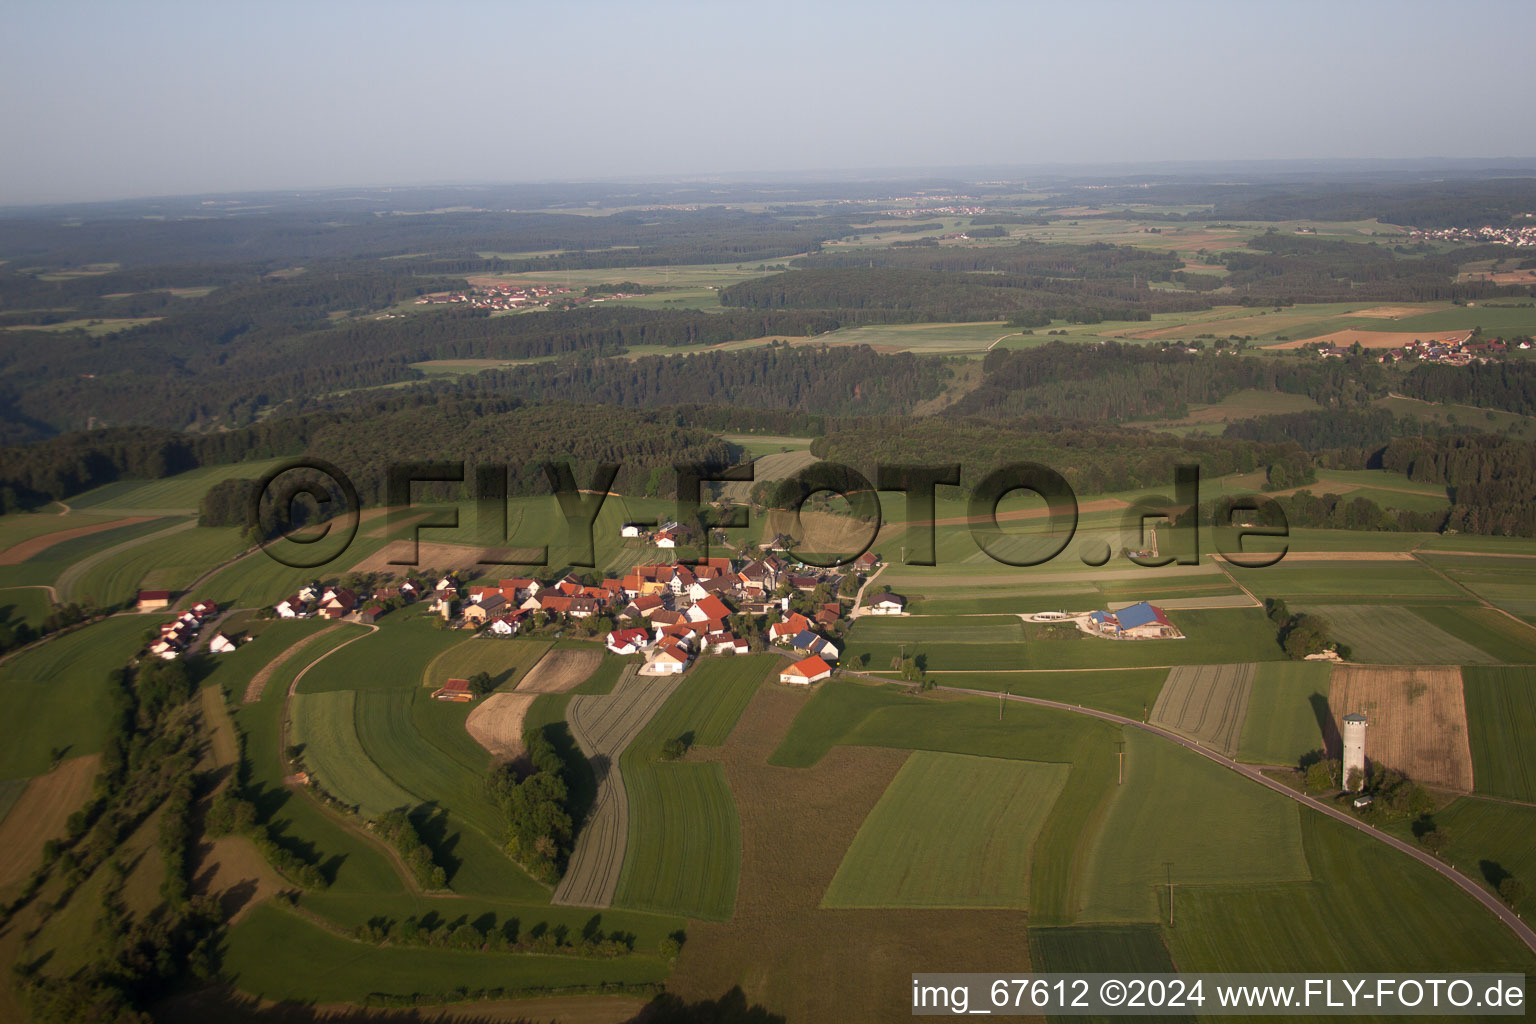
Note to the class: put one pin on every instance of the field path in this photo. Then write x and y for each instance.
(24, 550)
(1509, 917)
(1479, 598)
(70, 576)
(604, 725)
(259, 680)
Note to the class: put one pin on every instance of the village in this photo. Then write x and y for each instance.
(1461, 349)
(1521, 236)
(505, 298)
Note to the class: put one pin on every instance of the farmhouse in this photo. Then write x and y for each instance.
(888, 604)
(149, 600)
(1141, 621)
(671, 657)
(456, 690)
(804, 673)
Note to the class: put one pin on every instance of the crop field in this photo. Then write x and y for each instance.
(505, 660)
(1283, 706)
(1210, 824)
(10, 792)
(324, 726)
(1418, 720)
(971, 339)
(951, 830)
(182, 493)
(24, 535)
(278, 955)
(604, 725)
(1128, 692)
(1388, 635)
(1376, 580)
(1242, 405)
(1507, 583)
(60, 691)
(1207, 702)
(1487, 629)
(562, 669)
(36, 811)
(711, 698)
(683, 854)
(47, 566)
(832, 712)
(767, 444)
(1501, 719)
(1099, 948)
(1367, 908)
(950, 629)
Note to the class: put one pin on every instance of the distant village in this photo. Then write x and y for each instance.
(1521, 236)
(1453, 350)
(507, 297)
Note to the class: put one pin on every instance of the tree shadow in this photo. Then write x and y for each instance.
(1333, 743)
(1493, 872)
(731, 1008)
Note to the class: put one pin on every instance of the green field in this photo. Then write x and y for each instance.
(167, 563)
(1389, 635)
(1099, 948)
(16, 527)
(1367, 908)
(951, 830)
(1492, 839)
(60, 691)
(1282, 724)
(28, 605)
(950, 629)
(182, 493)
(278, 955)
(324, 726)
(395, 657)
(1373, 580)
(506, 661)
(1487, 629)
(1211, 825)
(47, 566)
(683, 851)
(1501, 721)
(1128, 692)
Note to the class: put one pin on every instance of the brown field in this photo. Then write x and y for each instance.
(231, 870)
(1395, 312)
(1500, 277)
(497, 723)
(560, 670)
(39, 815)
(1373, 339)
(18, 553)
(223, 747)
(442, 557)
(1339, 556)
(259, 680)
(1418, 720)
(796, 824)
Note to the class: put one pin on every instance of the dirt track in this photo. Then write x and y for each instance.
(39, 815)
(259, 680)
(497, 723)
(560, 670)
(18, 553)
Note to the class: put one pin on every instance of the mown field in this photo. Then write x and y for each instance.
(1099, 948)
(181, 493)
(1492, 840)
(1207, 702)
(47, 566)
(1283, 707)
(325, 729)
(506, 661)
(1130, 692)
(59, 690)
(683, 852)
(1193, 818)
(166, 563)
(1501, 724)
(1380, 634)
(951, 830)
(1366, 908)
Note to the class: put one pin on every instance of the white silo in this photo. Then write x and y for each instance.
(1354, 747)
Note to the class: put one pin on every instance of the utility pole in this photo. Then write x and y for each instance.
(1169, 865)
(1120, 753)
(1000, 695)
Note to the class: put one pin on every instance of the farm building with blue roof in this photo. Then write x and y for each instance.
(1138, 621)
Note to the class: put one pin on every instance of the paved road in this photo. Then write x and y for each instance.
(1477, 892)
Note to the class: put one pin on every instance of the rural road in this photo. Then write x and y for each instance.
(1519, 927)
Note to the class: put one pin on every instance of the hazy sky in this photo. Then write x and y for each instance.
(111, 99)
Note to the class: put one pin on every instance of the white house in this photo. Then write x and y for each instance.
(888, 604)
(804, 673)
(629, 530)
(626, 641)
(669, 660)
(221, 644)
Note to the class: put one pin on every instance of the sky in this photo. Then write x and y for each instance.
(112, 100)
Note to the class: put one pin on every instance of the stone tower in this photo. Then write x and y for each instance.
(1354, 746)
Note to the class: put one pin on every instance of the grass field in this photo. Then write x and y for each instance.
(1367, 908)
(59, 690)
(278, 955)
(1209, 824)
(1319, 579)
(393, 658)
(1501, 720)
(1491, 839)
(1207, 702)
(181, 493)
(166, 563)
(324, 726)
(832, 713)
(951, 831)
(1128, 692)
(1282, 722)
(1099, 948)
(47, 566)
(1389, 635)
(1486, 629)
(28, 605)
(506, 661)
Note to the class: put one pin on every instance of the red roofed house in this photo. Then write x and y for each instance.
(708, 608)
(149, 600)
(456, 690)
(804, 673)
(786, 630)
(626, 641)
